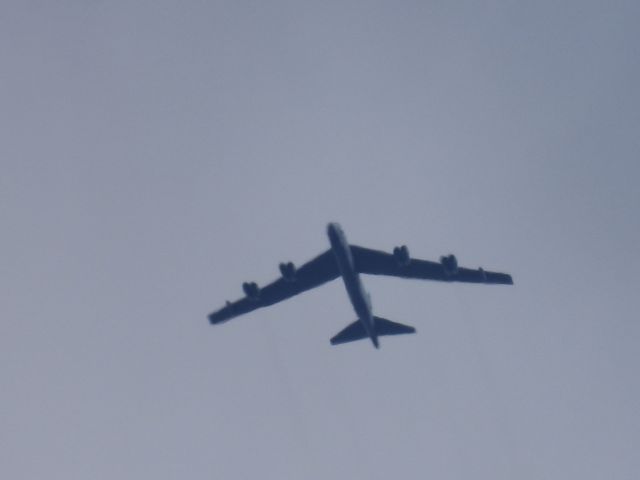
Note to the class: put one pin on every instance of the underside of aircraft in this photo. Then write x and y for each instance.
(349, 261)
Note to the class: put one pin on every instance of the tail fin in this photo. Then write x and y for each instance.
(387, 327)
(355, 331)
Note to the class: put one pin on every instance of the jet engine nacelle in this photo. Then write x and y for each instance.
(401, 256)
(288, 271)
(251, 290)
(449, 265)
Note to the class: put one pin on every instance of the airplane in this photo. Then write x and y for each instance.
(349, 261)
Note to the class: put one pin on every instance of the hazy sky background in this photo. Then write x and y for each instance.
(155, 155)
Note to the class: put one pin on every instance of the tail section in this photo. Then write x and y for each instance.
(383, 327)
(351, 333)
(387, 327)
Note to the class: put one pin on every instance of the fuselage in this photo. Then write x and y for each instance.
(359, 298)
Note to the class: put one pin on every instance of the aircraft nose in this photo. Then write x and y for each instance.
(333, 228)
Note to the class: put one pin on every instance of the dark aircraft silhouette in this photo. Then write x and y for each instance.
(348, 261)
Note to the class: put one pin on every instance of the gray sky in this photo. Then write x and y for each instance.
(156, 154)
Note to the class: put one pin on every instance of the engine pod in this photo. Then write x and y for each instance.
(288, 271)
(401, 256)
(449, 264)
(251, 290)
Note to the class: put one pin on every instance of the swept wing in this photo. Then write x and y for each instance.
(315, 272)
(376, 262)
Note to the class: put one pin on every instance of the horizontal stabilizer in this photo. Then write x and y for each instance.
(383, 327)
(387, 327)
(351, 333)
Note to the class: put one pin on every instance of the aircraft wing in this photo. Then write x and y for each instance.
(317, 271)
(376, 262)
